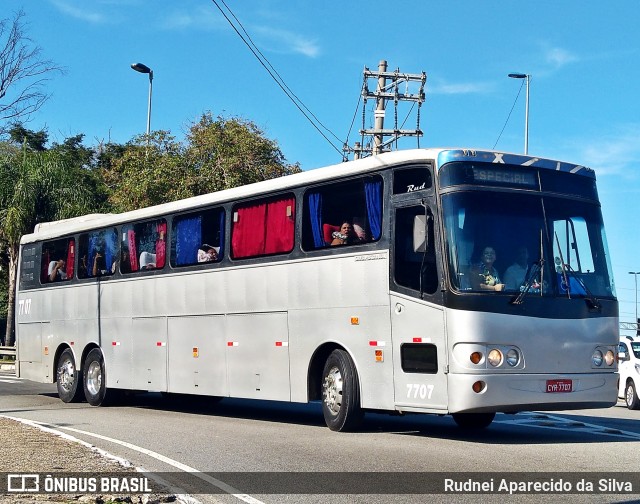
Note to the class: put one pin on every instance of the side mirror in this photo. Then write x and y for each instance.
(420, 233)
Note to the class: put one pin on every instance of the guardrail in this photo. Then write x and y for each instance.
(8, 350)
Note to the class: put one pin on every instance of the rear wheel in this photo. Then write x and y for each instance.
(473, 420)
(95, 380)
(631, 396)
(341, 393)
(68, 378)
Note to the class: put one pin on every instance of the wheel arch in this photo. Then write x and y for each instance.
(56, 358)
(87, 349)
(316, 365)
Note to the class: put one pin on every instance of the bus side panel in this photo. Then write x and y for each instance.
(258, 356)
(149, 346)
(197, 360)
(30, 351)
(117, 352)
(343, 300)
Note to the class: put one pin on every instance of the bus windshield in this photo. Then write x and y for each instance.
(496, 240)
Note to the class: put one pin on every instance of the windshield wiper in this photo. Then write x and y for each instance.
(535, 268)
(590, 299)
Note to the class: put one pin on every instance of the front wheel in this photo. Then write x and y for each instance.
(473, 420)
(95, 380)
(631, 396)
(341, 393)
(68, 378)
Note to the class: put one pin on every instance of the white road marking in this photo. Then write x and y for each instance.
(158, 456)
(547, 421)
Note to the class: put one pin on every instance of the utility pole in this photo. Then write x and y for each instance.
(388, 87)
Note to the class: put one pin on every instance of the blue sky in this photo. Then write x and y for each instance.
(584, 58)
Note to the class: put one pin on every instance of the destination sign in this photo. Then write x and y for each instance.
(508, 177)
(461, 173)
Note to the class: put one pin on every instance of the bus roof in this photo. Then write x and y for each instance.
(442, 156)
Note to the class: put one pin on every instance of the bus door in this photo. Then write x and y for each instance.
(417, 316)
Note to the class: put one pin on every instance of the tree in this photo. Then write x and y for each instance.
(35, 187)
(146, 173)
(23, 72)
(35, 140)
(220, 153)
(224, 153)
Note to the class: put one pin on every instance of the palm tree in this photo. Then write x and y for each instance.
(35, 187)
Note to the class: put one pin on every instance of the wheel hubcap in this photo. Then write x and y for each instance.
(94, 378)
(66, 375)
(629, 396)
(332, 391)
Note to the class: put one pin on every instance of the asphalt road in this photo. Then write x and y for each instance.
(235, 438)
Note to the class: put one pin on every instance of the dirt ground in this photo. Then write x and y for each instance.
(28, 449)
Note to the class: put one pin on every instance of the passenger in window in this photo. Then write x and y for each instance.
(346, 235)
(56, 270)
(99, 266)
(125, 263)
(83, 270)
(206, 253)
(484, 275)
(147, 260)
(515, 274)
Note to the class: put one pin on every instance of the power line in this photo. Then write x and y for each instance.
(512, 107)
(271, 71)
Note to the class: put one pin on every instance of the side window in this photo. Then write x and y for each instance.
(263, 227)
(346, 213)
(197, 237)
(57, 260)
(143, 246)
(407, 180)
(98, 253)
(412, 269)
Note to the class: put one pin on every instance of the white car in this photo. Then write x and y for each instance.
(629, 369)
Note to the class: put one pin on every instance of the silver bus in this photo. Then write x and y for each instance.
(441, 281)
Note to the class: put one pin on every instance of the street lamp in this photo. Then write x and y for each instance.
(635, 274)
(527, 78)
(139, 67)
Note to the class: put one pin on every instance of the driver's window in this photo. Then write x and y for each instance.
(414, 270)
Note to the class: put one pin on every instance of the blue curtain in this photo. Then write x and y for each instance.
(110, 248)
(315, 215)
(94, 240)
(188, 239)
(373, 193)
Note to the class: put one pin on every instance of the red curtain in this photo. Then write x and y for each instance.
(248, 232)
(280, 220)
(133, 253)
(161, 246)
(71, 256)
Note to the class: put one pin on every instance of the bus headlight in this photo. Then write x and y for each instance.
(513, 357)
(609, 358)
(597, 358)
(495, 357)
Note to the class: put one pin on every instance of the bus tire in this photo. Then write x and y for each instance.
(631, 396)
(341, 393)
(473, 420)
(95, 379)
(68, 378)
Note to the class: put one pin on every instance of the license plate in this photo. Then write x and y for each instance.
(559, 386)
